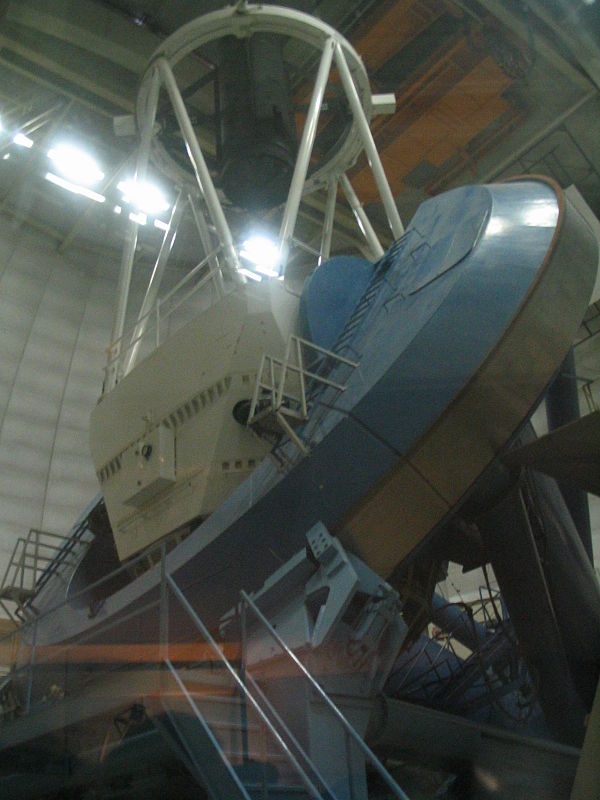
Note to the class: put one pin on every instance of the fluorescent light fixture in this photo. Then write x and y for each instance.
(6, 156)
(162, 226)
(73, 187)
(22, 140)
(138, 217)
(117, 209)
(144, 196)
(75, 164)
(249, 274)
(263, 254)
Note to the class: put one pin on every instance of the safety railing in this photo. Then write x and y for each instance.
(202, 279)
(317, 690)
(27, 652)
(447, 674)
(286, 743)
(45, 674)
(31, 557)
(281, 390)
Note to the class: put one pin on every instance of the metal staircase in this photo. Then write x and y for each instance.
(34, 560)
(288, 393)
(283, 387)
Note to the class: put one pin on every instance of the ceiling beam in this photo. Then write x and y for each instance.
(59, 89)
(86, 216)
(32, 164)
(578, 42)
(95, 28)
(541, 45)
(73, 76)
(540, 135)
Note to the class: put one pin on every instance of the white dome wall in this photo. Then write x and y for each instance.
(55, 317)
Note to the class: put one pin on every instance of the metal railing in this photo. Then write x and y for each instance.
(248, 603)
(280, 389)
(209, 282)
(23, 641)
(31, 557)
(48, 673)
(445, 673)
(244, 693)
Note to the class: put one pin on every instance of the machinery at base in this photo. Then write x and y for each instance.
(286, 478)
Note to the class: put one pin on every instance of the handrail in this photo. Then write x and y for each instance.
(86, 590)
(33, 557)
(117, 346)
(168, 581)
(273, 731)
(275, 384)
(363, 746)
(213, 738)
(76, 537)
(274, 713)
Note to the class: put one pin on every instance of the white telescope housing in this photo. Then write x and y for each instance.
(142, 400)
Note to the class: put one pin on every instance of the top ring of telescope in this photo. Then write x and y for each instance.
(242, 21)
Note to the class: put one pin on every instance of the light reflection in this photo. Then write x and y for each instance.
(541, 215)
(140, 217)
(73, 187)
(262, 253)
(75, 164)
(22, 141)
(249, 274)
(496, 225)
(144, 196)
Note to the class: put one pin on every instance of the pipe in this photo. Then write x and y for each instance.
(131, 239)
(207, 246)
(304, 151)
(203, 176)
(363, 221)
(562, 407)
(154, 284)
(328, 219)
(369, 144)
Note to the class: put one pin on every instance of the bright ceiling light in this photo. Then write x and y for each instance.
(144, 196)
(162, 226)
(263, 254)
(75, 188)
(138, 217)
(22, 140)
(249, 274)
(75, 164)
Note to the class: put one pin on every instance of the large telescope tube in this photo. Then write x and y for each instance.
(258, 130)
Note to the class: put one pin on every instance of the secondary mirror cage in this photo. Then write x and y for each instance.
(243, 21)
